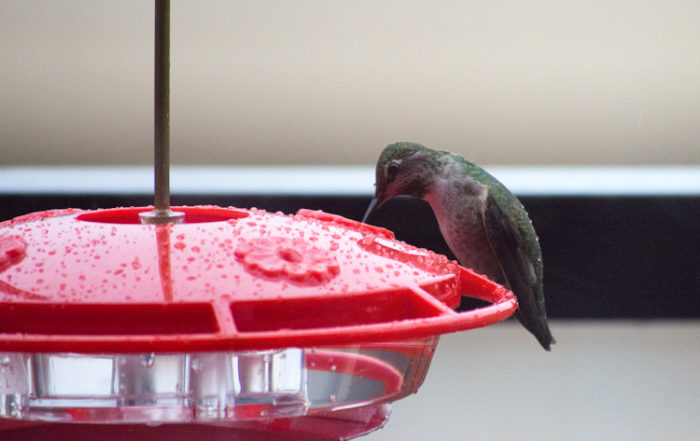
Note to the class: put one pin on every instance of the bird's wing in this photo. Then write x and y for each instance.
(506, 240)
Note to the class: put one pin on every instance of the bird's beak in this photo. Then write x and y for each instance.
(375, 203)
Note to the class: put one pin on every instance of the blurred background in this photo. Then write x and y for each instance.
(318, 82)
(502, 82)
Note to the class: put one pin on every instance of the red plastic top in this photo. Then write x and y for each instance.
(226, 279)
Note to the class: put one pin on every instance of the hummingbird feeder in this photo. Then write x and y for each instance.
(268, 325)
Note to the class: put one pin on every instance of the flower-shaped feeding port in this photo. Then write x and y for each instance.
(236, 317)
(294, 258)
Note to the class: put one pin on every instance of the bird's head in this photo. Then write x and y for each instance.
(403, 168)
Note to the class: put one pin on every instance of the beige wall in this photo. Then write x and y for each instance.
(326, 82)
(603, 380)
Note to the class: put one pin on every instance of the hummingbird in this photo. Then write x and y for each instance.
(482, 222)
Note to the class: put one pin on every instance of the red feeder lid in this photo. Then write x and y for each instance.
(226, 279)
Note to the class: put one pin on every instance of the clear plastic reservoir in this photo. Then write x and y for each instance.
(207, 386)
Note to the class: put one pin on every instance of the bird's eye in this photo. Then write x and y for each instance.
(392, 170)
